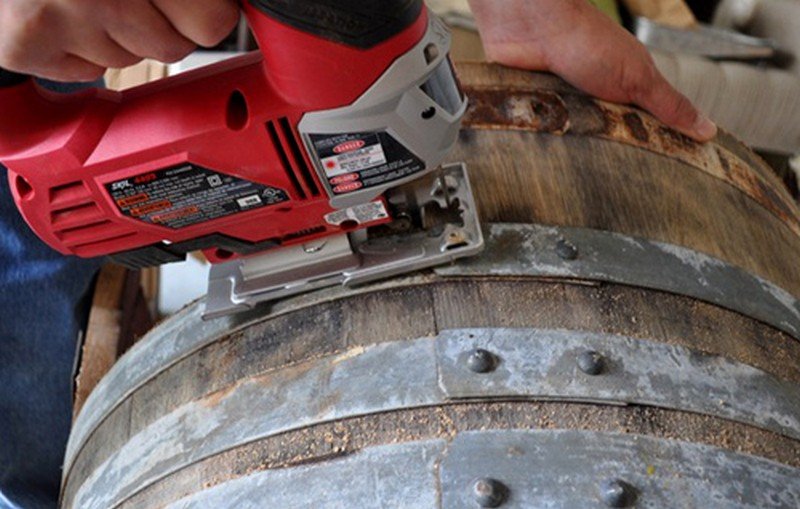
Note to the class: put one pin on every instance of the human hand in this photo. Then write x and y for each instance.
(77, 40)
(573, 39)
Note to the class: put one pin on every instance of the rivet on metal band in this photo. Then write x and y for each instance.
(441, 474)
(536, 364)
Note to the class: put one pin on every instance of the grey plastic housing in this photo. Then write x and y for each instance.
(395, 104)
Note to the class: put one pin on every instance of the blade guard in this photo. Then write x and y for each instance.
(352, 259)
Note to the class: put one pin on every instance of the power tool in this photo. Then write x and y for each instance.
(314, 161)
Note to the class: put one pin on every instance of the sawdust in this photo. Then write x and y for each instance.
(331, 441)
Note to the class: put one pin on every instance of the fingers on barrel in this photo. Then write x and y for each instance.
(649, 89)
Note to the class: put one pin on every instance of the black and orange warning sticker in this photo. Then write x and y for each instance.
(188, 194)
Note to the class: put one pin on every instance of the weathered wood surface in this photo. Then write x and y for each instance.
(331, 441)
(581, 167)
(99, 350)
(540, 152)
(420, 310)
(120, 314)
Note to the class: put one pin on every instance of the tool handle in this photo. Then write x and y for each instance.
(359, 23)
(322, 54)
(11, 79)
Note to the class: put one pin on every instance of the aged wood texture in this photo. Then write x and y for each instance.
(593, 169)
(330, 441)
(560, 113)
(413, 311)
(481, 76)
(350, 322)
(538, 152)
(99, 350)
(120, 314)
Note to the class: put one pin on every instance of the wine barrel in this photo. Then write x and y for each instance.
(628, 338)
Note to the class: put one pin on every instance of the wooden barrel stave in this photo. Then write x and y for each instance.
(455, 304)
(572, 180)
(525, 250)
(450, 305)
(644, 189)
(348, 438)
(624, 194)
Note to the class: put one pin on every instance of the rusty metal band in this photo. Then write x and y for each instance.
(595, 255)
(562, 113)
(552, 468)
(531, 364)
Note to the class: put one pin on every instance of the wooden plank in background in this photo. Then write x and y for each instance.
(673, 13)
(119, 315)
(99, 350)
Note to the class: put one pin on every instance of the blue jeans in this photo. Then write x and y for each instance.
(40, 293)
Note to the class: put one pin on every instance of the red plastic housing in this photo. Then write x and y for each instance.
(237, 118)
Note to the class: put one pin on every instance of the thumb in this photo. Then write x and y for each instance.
(675, 110)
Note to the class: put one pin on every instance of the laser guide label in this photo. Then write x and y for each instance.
(354, 161)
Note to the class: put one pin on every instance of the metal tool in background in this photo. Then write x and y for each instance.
(707, 41)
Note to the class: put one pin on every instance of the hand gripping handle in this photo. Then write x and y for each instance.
(359, 23)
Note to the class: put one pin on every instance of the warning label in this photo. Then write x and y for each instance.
(354, 156)
(355, 161)
(186, 195)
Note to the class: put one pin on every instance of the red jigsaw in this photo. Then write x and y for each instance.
(213, 159)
